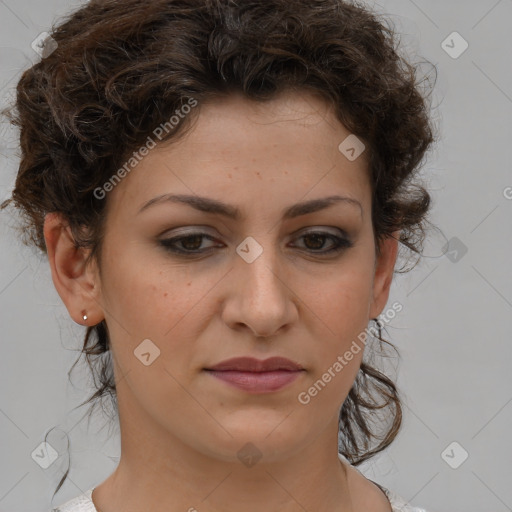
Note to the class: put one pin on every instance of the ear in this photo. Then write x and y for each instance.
(77, 285)
(383, 273)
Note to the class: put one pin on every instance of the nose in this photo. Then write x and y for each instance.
(259, 297)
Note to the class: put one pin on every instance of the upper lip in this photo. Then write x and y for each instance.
(250, 364)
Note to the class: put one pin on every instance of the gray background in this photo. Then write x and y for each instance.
(453, 332)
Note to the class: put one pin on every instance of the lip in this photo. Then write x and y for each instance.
(251, 364)
(257, 376)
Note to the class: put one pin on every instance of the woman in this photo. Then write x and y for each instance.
(221, 190)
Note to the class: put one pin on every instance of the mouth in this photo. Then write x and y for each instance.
(256, 376)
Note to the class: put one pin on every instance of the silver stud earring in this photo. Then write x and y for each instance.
(84, 317)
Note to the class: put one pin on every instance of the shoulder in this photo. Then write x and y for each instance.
(375, 496)
(82, 503)
(398, 504)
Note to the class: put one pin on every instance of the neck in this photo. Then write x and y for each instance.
(160, 472)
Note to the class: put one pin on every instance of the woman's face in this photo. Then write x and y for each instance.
(265, 283)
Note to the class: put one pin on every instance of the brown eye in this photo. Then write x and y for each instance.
(315, 241)
(187, 244)
(192, 242)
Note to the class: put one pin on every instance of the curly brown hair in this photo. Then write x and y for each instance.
(121, 68)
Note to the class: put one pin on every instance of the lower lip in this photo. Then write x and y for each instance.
(257, 382)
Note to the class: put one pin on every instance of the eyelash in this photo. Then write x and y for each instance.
(169, 243)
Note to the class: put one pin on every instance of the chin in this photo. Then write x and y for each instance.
(273, 439)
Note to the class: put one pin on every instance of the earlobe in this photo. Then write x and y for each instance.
(384, 270)
(74, 282)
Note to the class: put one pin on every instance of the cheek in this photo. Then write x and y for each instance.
(343, 301)
(340, 310)
(344, 307)
(147, 294)
(169, 304)
(149, 299)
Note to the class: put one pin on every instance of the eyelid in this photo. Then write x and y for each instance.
(185, 231)
(341, 242)
(321, 229)
(203, 230)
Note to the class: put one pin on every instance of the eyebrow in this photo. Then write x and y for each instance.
(209, 205)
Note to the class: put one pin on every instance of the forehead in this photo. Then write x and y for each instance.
(296, 118)
(238, 147)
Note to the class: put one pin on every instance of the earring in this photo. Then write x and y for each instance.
(84, 316)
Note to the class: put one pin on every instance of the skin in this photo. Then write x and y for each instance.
(181, 428)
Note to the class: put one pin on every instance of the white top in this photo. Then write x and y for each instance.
(83, 503)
